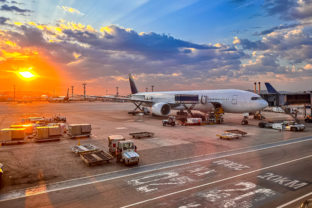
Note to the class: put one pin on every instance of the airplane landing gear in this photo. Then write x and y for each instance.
(244, 121)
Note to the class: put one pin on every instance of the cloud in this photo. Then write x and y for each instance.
(308, 67)
(113, 51)
(289, 9)
(3, 20)
(71, 10)
(280, 27)
(7, 8)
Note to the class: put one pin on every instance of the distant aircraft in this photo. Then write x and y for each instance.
(60, 99)
(231, 100)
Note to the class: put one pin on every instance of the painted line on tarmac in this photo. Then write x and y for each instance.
(293, 201)
(213, 182)
(88, 180)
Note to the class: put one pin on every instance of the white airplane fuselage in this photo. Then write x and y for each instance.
(231, 100)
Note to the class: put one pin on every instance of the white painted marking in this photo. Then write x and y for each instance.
(284, 181)
(63, 186)
(231, 164)
(190, 205)
(226, 197)
(294, 200)
(217, 181)
(149, 183)
(120, 128)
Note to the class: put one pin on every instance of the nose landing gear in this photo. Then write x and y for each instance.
(244, 121)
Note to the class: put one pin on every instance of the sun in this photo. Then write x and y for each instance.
(26, 74)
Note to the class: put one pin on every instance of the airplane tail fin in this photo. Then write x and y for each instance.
(270, 88)
(67, 92)
(133, 87)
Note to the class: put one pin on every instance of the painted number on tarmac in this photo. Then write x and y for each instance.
(284, 181)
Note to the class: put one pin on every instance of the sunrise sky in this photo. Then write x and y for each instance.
(172, 44)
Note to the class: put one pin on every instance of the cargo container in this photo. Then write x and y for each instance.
(79, 130)
(17, 133)
(55, 131)
(6, 135)
(42, 132)
(29, 128)
(85, 128)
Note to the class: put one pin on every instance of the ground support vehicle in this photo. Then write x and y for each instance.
(85, 148)
(259, 116)
(170, 121)
(193, 122)
(236, 131)
(96, 158)
(265, 125)
(288, 126)
(308, 119)
(113, 142)
(228, 136)
(139, 135)
(126, 153)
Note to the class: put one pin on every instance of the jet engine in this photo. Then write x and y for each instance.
(161, 109)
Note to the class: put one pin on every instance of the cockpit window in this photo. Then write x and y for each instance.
(256, 98)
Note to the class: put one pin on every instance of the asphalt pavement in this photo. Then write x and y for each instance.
(268, 175)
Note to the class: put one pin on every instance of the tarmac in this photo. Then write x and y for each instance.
(182, 166)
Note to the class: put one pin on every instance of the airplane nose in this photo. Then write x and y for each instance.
(264, 104)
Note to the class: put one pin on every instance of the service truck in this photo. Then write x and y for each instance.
(113, 142)
(126, 153)
(288, 126)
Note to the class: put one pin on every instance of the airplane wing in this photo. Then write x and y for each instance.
(127, 99)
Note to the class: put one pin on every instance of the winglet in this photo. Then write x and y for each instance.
(134, 89)
(270, 88)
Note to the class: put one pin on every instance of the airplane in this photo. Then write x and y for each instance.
(161, 103)
(60, 99)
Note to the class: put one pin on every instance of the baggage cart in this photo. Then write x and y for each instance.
(236, 131)
(139, 135)
(96, 158)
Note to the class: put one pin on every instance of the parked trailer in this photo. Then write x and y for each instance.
(139, 135)
(53, 139)
(228, 136)
(85, 148)
(236, 131)
(96, 158)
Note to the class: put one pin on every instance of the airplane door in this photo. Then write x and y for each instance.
(234, 99)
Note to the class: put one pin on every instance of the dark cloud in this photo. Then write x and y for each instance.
(281, 27)
(253, 45)
(3, 20)
(289, 9)
(2, 1)
(8, 8)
